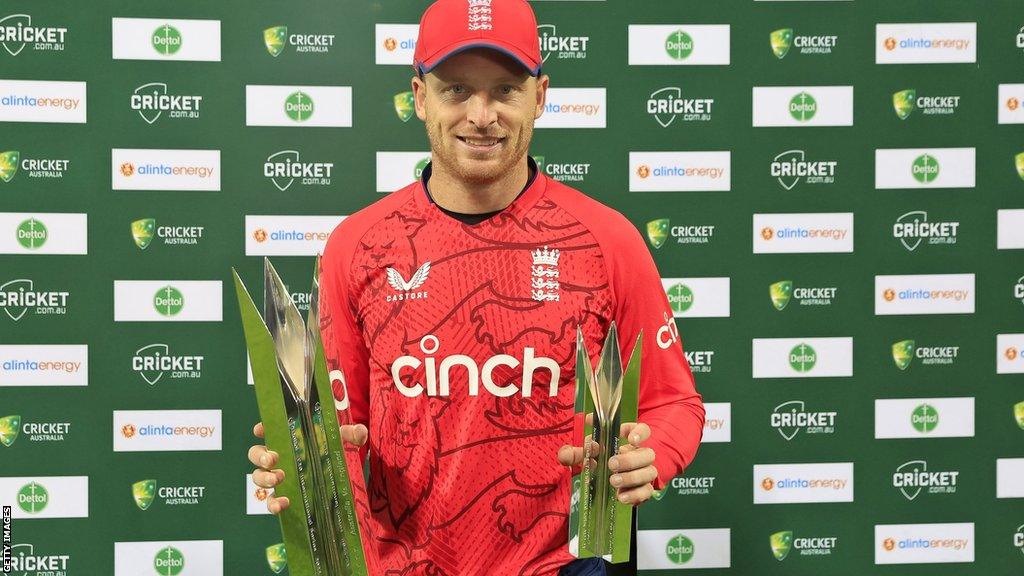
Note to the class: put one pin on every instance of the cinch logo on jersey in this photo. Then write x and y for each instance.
(692, 485)
(154, 169)
(803, 233)
(19, 297)
(562, 172)
(406, 370)
(145, 491)
(783, 291)
(161, 39)
(14, 426)
(660, 230)
(12, 160)
(783, 542)
(790, 418)
(145, 229)
(914, 477)
(700, 360)
(1010, 353)
(17, 31)
(573, 108)
(678, 44)
(926, 43)
(679, 171)
(784, 39)
(42, 101)
(905, 102)
(561, 47)
(277, 38)
(792, 167)
(924, 418)
(166, 430)
(152, 100)
(284, 167)
(44, 365)
(803, 483)
(395, 43)
(26, 562)
(666, 103)
(924, 543)
(904, 352)
(153, 361)
(913, 228)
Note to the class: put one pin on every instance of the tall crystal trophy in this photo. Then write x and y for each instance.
(320, 527)
(600, 525)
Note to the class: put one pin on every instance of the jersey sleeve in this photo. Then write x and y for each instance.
(668, 399)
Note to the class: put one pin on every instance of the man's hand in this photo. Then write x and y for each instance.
(632, 468)
(266, 476)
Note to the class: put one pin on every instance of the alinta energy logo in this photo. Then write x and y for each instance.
(791, 167)
(913, 228)
(913, 477)
(905, 102)
(261, 235)
(129, 431)
(1018, 290)
(791, 418)
(561, 47)
(12, 426)
(153, 361)
(783, 291)
(169, 562)
(644, 171)
(782, 543)
(660, 230)
(277, 558)
(783, 39)
(33, 498)
(924, 418)
(803, 107)
(144, 492)
(405, 105)
(32, 234)
(17, 32)
(299, 106)
(891, 295)
(168, 301)
(665, 104)
(129, 169)
(152, 100)
(939, 43)
(284, 167)
(166, 40)
(277, 38)
(700, 360)
(679, 549)
(19, 296)
(680, 297)
(679, 45)
(144, 230)
(905, 351)
(802, 358)
(562, 171)
(13, 160)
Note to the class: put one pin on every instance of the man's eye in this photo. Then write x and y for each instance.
(506, 89)
(458, 89)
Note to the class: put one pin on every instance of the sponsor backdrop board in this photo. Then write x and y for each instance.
(833, 191)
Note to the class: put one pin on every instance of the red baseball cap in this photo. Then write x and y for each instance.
(452, 26)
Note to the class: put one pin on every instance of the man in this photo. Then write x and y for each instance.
(451, 307)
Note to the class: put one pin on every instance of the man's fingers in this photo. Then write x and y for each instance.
(267, 478)
(635, 478)
(570, 455)
(260, 456)
(633, 460)
(637, 433)
(277, 505)
(257, 430)
(636, 496)
(355, 434)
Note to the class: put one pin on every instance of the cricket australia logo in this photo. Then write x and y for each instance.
(479, 14)
(544, 281)
(406, 290)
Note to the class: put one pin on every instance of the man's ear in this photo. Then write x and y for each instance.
(419, 96)
(542, 94)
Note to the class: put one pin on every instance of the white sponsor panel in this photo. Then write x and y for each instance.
(395, 43)
(680, 171)
(1010, 354)
(298, 106)
(396, 170)
(179, 557)
(678, 44)
(1011, 104)
(924, 418)
(698, 297)
(717, 422)
(802, 357)
(1010, 229)
(46, 496)
(44, 365)
(802, 106)
(166, 430)
(803, 483)
(924, 543)
(154, 169)
(166, 39)
(288, 235)
(168, 301)
(43, 233)
(803, 233)
(926, 43)
(924, 294)
(683, 549)
(924, 168)
(573, 108)
(42, 101)
(256, 497)
(1010, 478)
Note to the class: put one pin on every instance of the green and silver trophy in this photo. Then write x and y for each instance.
(600, 525)
(293, 391)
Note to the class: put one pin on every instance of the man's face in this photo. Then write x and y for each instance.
(479, 107)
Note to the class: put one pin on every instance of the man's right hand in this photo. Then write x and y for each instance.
(266, 476)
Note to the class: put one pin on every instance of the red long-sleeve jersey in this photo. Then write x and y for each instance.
(457, 346)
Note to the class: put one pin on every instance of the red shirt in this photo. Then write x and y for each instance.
(457, 344)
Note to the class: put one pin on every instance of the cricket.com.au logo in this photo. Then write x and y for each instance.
(169, 561)
(784, 39)
(679, 45)
(12, 427)
(680, 297)
(562, 171)
(145, 492)
(679, 549)
(792, 167)
(906, 102)
(33, 498)
(19, 297)
(405, 105)
(32, 234)
(924, 418)
(802, 358)
(12, 160)
(145, 230)
(277, 38)
(913, 228)
(782, 543)
(166, 40)
(803, 107)
(168, 301)
(17, 33)
(26, 562)
(914, 477)
(700, 361)
(283, 168)
(783, 291)
(666, 104)
(154, 361)
(660, 230)
(791, 418)
(299, 106)
(153, 100)
(560, 47)
(905, 351)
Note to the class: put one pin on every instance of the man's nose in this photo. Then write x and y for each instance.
(481, 111)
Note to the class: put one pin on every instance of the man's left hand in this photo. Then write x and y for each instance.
(633, 468)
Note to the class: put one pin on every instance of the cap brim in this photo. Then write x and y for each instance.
(459, 47)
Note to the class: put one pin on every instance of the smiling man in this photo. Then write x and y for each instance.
(451, 307)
